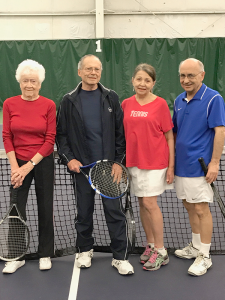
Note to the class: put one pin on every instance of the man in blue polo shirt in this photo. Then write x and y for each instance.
(199, 120)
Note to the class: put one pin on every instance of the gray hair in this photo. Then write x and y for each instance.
(80, 63)
(29, 66)
(201, 66)
(150, 70)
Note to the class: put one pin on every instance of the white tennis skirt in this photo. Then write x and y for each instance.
(148, 183)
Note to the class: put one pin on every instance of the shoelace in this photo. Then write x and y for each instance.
(85, 253)
(10, 263)
(153, 258)
(188, 249)
(147, 251)
(199, 259)
(119, 262)
(45, 259)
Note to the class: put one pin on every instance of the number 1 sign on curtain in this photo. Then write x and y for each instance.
(98, 43)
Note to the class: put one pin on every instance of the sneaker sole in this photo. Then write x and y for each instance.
(157, 268)
(83, 266)
(129, 273)
(143, 261)
(45, 269)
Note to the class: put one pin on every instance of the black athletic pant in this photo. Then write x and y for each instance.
(43, 175)
(114, 215)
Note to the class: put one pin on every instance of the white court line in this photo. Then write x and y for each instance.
(74, 282)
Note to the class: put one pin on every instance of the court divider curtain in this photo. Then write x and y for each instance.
(119, 58)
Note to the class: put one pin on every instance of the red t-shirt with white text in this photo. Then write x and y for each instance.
(145, 125)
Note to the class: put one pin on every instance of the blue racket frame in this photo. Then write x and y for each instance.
(92, 185)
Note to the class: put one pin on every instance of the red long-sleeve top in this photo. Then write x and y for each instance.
(29, 127)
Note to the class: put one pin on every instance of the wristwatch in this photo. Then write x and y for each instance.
(33, 163)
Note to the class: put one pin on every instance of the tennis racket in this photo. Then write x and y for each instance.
(131, 230)
(215, 191)
(101, 180)
(14, 233)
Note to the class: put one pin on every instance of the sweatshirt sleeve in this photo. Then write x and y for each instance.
(46, 148)
(6, 132)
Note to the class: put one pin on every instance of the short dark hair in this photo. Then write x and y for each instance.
(150, 70)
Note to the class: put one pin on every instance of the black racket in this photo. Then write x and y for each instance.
(101, 179)
(14, 233)
(131, 230)
(215, 191)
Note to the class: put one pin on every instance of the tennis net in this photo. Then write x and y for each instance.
(177, 231)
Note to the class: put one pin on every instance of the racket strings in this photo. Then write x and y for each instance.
(104, 182)
(14, 238)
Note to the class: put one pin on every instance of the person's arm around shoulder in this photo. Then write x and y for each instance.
(167, 128)
(64, 151)
(50, 133)
(63, 148)
(119, 129)
(213, 167)
(170, 171)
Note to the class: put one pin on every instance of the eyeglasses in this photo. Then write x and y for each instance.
(89, 70)
(189, 76)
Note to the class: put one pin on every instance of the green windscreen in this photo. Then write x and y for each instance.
(119, 58)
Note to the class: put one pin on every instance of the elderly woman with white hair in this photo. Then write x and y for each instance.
(29, 128)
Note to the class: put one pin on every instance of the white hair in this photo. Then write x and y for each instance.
(80, 63)
(29, 66)
(195, 60)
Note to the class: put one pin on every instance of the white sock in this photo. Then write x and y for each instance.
(151, 245)
(196, 240)
(205, 249)
(162, 251)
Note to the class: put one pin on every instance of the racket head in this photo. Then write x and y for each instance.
(102, 181)
(131, 228)
(14, 237)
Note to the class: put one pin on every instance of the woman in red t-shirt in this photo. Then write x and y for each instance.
(149, 158)
(29, 128)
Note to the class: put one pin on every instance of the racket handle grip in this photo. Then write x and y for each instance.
(203, 165)
(13, 193)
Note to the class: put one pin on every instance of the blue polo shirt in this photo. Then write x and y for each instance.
(194, 123)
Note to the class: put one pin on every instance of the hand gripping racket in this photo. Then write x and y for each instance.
(14, 233)
(101, 180)
(131, 230)
(215, 191)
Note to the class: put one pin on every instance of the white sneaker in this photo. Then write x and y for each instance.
(200, 265)
(123, 266)
(12, 266)
(83, 259)
(45, 263)
(187, 252)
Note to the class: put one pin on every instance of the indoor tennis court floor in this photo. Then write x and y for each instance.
(103, 282)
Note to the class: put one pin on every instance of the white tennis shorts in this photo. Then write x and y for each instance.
(148, 183)
(193, 189)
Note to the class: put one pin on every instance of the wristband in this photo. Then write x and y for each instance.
(33, 163)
